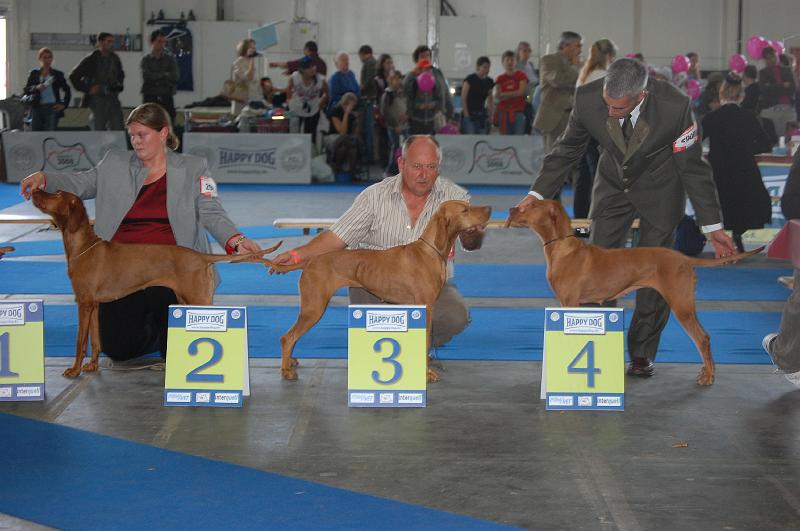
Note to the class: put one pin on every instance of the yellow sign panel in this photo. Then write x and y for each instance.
(22, 350)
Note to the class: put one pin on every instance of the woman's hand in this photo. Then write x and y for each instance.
(32, 182)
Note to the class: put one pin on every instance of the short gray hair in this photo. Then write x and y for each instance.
(626, 77)
(568, 37)
(413, 138)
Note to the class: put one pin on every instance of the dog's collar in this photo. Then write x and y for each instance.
(98, 240)
(444, 259)
(548, 242)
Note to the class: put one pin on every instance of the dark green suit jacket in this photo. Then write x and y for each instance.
(661, 165)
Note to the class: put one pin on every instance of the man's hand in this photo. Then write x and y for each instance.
(32, 182)
(723, 244)
(58, 107)
(527, 201)
(94, 90)
(287, 258)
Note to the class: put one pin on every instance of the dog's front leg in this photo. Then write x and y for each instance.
(94, 336)
(84, 322)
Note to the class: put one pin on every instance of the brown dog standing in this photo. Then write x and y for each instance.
(407, 274)
(580, 273)
(102, 271)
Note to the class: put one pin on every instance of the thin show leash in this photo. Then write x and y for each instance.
(444, 259)
(548, 242)
(98, 240)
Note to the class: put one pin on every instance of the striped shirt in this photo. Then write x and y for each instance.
(378, 218)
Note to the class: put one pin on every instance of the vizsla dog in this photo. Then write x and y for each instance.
(581, 273)
(407, 274)
(102, 271)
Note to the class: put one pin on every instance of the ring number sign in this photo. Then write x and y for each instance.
(22, 350)
(386, 356)
(207, 361)
(583, 365)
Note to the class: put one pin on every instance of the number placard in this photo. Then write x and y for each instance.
(386, 356)
(207, 359)
(22, 350)
(583, 365)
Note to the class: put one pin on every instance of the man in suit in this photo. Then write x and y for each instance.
(650, 159)
(558, 73)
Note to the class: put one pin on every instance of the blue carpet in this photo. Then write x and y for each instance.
(474, 280)
(71, 479)
(505, 334)
(9, 195)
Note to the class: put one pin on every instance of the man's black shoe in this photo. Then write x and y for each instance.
(641, 367)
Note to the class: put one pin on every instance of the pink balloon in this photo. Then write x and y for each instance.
(777, 46)
(756, 45)
(737, 62)
(630, 55)
(426, 82)
(680, 63)
(693, 88)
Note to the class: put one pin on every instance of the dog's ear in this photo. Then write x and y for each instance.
(75, 214)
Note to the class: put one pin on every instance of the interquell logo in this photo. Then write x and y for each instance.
(585, 323)
(254, 158)
(207, 320)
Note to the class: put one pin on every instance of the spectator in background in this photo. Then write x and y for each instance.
(385, 69)
(395, 114)
(369, 100)
(100, 77)
(510, 89)
(47, 93)
(476, 99)
(342, 81)
(524, 64)
(423, 105)
(601, 55)
(694, 66)
(245, 69)
(751, 92)
(558, 74)
(309, 50)
(159, 74)
(776, 84)
(307, 93)
(423, 53)
(709, 97)
(343, 140)
(735, 137)
(273, 97)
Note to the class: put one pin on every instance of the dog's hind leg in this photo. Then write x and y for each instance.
(94, 336)
(432, 376)
(84, 323)
(312, 305)
(682, 303)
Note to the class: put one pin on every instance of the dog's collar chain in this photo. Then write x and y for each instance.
(548, 242)
(98, 240)
(444, 259)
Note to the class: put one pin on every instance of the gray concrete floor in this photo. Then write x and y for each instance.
(678, 457)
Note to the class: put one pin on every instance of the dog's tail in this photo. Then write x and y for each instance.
(711, 262)
(239, 258)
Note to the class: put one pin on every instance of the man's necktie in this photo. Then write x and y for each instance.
(627, 129)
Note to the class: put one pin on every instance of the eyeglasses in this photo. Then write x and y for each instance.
(431, 166)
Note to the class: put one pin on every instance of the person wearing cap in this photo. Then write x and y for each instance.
(423, 106)
(309, 50)
(307, 93)
(342, 81)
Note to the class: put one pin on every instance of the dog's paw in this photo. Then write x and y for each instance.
(289, 374)
(90, 367)
(433, 376)
(72, 372)
(294, 362)
(705, 377)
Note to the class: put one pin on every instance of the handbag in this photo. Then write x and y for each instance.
(235, 90)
